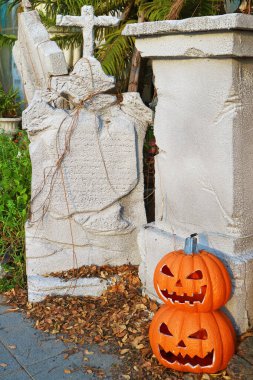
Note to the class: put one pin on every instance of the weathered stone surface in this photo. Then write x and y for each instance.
(37, 57)
(87, 21)
(91, 168)
(40, 287)
(212, 139)
(199, 45)
(204, 174)
(227, 22)
(228, 36)
(86, 80)
(241, 365)
(207, 149)
(240, 369)
(85, 200)
(87, 182)
(245, 350)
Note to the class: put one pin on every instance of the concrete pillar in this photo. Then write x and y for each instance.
(203, 70)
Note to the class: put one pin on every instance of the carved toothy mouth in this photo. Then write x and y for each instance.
(187, 360)
(194, 298)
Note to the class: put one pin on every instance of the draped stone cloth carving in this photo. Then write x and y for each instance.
(86, 150)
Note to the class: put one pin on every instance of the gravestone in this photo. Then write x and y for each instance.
(203, 127)
(86, 150)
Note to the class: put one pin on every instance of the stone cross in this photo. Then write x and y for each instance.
(87, 21)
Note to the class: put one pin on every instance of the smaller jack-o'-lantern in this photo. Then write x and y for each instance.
(191, 341)
(192, 280)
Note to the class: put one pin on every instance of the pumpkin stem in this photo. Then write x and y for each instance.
(191, 244)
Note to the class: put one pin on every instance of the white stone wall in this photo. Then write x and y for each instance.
(202, 180)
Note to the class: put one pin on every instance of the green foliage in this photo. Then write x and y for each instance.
(113, 50)
(9, 104)
(7, 39)
(15, 177)
(156, 10)
(116, 54)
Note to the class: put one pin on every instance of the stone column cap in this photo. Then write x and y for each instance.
(228, 22)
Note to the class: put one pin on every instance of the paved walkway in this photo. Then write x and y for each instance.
(26, 353)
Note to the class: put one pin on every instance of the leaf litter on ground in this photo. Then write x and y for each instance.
(117, 321)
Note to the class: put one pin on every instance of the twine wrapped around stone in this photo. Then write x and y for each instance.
(86, 151)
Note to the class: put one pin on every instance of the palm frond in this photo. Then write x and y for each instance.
(68, 39)
(202, 8)
(53, 7)
(155, 10)
(175, 9)
(115, 54)
(7, 40)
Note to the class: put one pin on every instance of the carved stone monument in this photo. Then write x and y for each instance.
(86, 150)
(204, 170)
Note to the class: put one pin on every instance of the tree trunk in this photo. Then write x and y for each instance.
(135, 66)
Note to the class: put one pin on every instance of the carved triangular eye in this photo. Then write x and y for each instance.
(164, 330)
(198, 275)
(201, 334)
(166, 270)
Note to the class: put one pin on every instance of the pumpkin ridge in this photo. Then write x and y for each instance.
(218, 264)
(180, 265)
(170, 316)
(182, 324)
(210, 281)
(195, 259)
(226, 279)
(221, 321)
(220, 338)
(158, 272)
(200, 325)
(182, 258)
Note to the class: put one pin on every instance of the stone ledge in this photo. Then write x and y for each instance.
(40, 287)
(195, 24)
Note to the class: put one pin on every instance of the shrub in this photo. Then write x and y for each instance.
(15, 176)
(9, 104)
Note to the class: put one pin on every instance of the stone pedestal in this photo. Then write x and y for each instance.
(203, 70)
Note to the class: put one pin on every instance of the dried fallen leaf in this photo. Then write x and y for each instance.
(67, 371)
(12, 310)
(12, 346)
(118, 321)
(3, 365)
(153, 306)
(87, 352)
(124, 351)
(246, 335)
(140, 346)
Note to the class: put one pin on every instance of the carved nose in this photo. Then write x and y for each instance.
(178, 283)
(181, 344)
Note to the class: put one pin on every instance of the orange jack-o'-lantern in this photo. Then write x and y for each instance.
(191, 341)
(192, 280)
